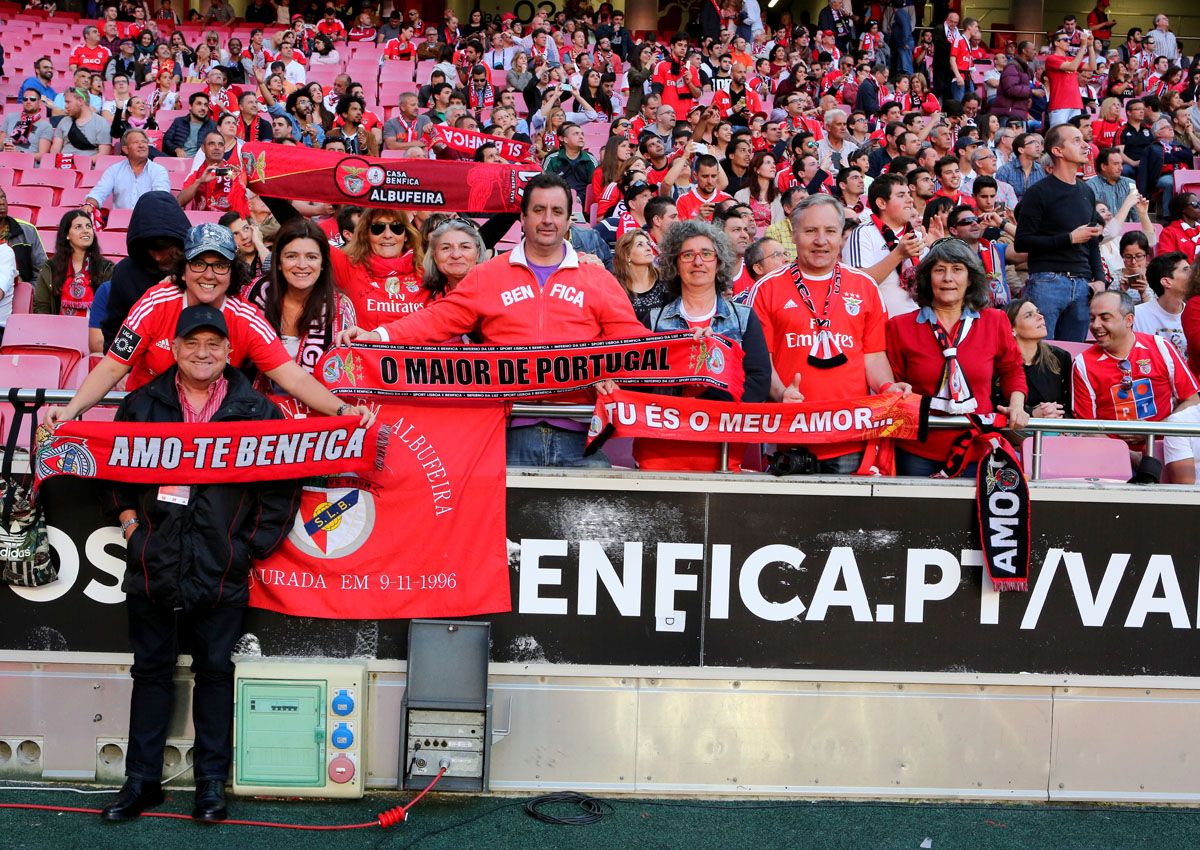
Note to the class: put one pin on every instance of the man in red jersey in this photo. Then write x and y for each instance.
(680, 81)
(701, 199)
(90, 54)
(824, 324)
(1128, 375)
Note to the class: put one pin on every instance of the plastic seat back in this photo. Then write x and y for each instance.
(65, 338)
(1080, 457)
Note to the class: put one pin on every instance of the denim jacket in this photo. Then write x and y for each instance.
(736, 322)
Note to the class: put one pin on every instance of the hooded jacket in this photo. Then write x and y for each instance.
(157, 215)
(198, 555)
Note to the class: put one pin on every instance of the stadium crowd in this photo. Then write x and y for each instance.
(869, 203)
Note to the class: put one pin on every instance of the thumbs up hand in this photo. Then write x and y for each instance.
(792, 392)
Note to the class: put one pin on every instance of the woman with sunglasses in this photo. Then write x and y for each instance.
(953, 348)
(698, 266)
(378, 269)
(299, 298)
(208, 273)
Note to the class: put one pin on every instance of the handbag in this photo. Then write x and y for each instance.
(24, 545)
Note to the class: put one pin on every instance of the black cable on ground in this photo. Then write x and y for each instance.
(594, 809)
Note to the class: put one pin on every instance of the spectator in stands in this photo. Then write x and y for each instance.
(207, 273)
(737, 223)
(1109, 186)
(67, 283)
(764, 256)
(1183, 233)
(887, 247)
(216, 185)
(43, 74)
(155, 244)
(251, 126)
(251, 249)
(1142, 157)
(1061, 69)
(83, 87)
(124, 63)
(299, 298)
(824, 324)
(454, 248)
(23, 238)
(635, 195)
(1023, 171)
(83, 131)
(1047, 367)
(571, 161)
(187, 132)
(1058, 226)
(1168, 276)
(1128, 375)
(760, 191)
(128, 180)
(27, 131)
(260, 12)
(636, 269)
(543, 257)
(964, 223)
(698, 268)
(299, 112)
(90, 54)
(781, 229)
(218, 12)
(403, 130)
(953, 349)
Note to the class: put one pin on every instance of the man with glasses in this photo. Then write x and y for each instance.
(765, 256)
(1059, 228)
(964, 223)
(824, 324)
(1062, 73)
(873, 91)
(26, 131)
(1127, 375)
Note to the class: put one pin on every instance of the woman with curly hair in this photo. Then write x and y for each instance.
(378, 269)
(697, 267)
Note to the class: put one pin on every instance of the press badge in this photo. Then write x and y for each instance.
(177, 494)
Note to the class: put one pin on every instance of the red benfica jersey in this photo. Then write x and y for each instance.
(92, 58)
(224, 194)
(1158, 378)
(335, 29)
(858, 321)
(688, 205)
(675, 91)
(397, 49)
(362, 34)
(144, 341)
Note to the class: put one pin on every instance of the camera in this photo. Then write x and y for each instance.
(797, 460)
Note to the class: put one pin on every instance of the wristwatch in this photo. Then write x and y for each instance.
(341, 407)
(128, 523)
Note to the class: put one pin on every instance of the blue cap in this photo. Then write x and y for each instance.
(209, 237)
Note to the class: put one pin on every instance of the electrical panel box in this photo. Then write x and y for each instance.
(446, 715)
(298, 728)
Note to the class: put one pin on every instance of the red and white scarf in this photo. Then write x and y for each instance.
(825, 352)
(907, 270)
(953, 394)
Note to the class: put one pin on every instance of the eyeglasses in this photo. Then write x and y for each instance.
(1126, 375)
(218, 267)
(396, 227)
(706, 255)
(1133, 258)
(775, 254)
(1194, 204)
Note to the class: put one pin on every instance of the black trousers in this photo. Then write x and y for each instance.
(155, 634)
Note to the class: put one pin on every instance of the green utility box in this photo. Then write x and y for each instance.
(298, 728)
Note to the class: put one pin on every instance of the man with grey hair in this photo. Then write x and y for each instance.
(128, 180)
(1165, 43)
(833, 151)
(403, 131)
(985, 163)
(1128, 375)
(764, 256)
(825, 326)
(664, 126)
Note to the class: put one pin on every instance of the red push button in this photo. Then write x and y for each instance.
(341, 769)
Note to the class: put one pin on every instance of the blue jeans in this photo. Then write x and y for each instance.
(1063, 300)
(915, 466)
(841, 465)
(1167, 184)
(545, 445)
(957, 91)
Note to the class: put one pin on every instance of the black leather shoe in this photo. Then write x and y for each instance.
(135, 796)
(210, 801)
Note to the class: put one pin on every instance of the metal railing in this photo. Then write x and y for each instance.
(583, 413)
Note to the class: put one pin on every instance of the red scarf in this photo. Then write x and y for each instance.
(907, 269)
(953, 394)
(484, 99)
(77, 292)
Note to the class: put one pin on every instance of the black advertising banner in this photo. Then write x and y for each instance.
(632, 575)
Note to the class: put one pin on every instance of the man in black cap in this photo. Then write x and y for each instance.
(188, 557)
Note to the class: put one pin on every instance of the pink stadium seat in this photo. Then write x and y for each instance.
(103, 162)
(1072, 348)
(6, 177)
(18, 162)
(49, 238)
(1187, 179)
(79, 162)
(100, 414)
(56, 180)
(75, 379)
(396, 69)
(74, 197)
(88, 180)
(177, 178)
(22, 297)
(27, 371)
(118, 220)
(1080, 457)
(113, 244)
(174, 163)
(31, 196)
(65, 338)
(21, 212)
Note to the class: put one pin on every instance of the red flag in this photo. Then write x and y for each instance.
(468, 141)
(292, 171)
(426, 538)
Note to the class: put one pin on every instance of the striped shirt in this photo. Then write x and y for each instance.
(216, 396)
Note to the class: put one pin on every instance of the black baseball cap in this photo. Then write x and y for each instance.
(201, 316)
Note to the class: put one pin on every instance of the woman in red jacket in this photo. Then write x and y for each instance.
(379, 269)
(951, 349)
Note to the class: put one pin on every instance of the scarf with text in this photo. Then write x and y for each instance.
(874, 420)
(953, 393)
(212, 453)
(825, 352)
(20, 133)
(469, 141)
(77, 292)
(515, 371)
(1001, 500)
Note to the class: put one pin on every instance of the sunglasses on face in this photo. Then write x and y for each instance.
(969, 220)
(30, 99)
(379, 227)
(1126, 375)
